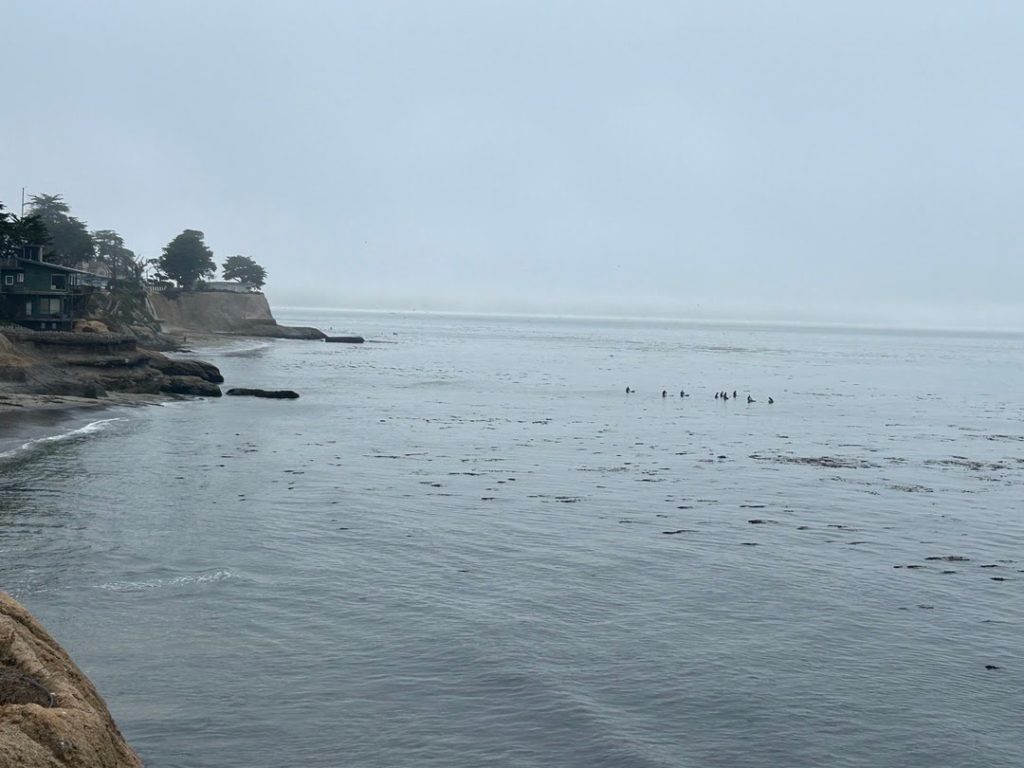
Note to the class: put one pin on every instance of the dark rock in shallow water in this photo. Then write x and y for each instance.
(345, 339)
(270, 329)
(189, 385)
(273, 394)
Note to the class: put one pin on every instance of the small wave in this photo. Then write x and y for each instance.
(75, 434)
(209, 577)
(241, 349)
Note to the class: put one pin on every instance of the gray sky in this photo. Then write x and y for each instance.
(845, 161)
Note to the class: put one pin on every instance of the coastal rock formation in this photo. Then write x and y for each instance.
(176, 367)
(51, 716)
(273, 394)
(245, 314)
(209, 311)
(90, 326)
(92, 364)
(345, 339)
(189, 385)
(272, 330)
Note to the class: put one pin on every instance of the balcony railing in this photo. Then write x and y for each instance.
(23, 288)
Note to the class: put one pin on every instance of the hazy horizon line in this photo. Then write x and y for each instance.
(678, 319)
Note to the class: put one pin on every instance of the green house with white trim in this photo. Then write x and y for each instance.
(37, 294)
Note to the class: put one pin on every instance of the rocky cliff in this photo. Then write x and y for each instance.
(51, 716)
(92, 364)
(222, 312)
(210, 311)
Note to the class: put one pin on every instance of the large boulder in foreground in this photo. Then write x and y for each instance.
(50, 714)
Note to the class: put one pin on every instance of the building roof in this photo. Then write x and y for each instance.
(56, 267)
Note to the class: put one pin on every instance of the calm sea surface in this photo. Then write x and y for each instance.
(466, 546)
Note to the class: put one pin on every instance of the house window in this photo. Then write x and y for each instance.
(20, 277)
(49, 306)
(28, 307)
(58, 282)
(8, 279)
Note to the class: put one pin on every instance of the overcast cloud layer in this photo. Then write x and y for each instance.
(839, 161)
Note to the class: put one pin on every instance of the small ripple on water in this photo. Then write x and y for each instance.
(207, 577)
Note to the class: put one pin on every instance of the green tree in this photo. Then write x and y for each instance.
(49, 207)
(186, 259)
(110, 249)
(244, 270)
(16, 232)
(31, 231)
(8, 244)
(70, 241)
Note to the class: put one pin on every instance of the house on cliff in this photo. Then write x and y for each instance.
(40, 295)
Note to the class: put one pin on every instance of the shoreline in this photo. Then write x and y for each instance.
(27, 418)
(24, 416)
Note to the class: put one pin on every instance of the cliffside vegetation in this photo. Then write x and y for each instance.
(186, 259)
(245, 270)
(66, 239)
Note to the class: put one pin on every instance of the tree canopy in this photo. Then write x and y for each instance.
(110, 250)
(17, 231)
(187, 259)
(70, 242)
(245, 270)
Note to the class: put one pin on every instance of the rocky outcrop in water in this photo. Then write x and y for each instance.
(51, 716)
(273, 394)
(271, 330)
(92, 364)
(175, 367)
(345, 339)
(189, 385)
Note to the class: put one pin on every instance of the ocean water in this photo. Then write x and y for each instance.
(466, 545)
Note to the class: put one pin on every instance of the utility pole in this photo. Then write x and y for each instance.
(23, 202)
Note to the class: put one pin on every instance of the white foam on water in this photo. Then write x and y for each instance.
(207, 577)
(241, 348)
(91, 428)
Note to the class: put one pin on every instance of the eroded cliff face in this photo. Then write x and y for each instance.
(90, 365)
(211, 311)
(51, 716)
(246, 314)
